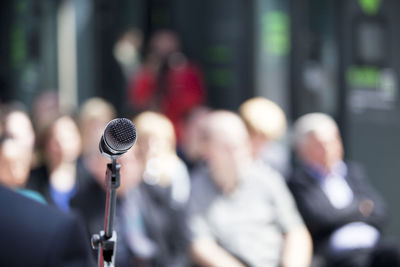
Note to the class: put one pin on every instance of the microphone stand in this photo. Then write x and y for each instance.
(106, 241)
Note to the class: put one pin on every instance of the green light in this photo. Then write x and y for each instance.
(219, 54)
(363, 77)
(220, 77)
(370, 7)
(275, 33)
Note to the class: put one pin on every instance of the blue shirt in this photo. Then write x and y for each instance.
(61, 199)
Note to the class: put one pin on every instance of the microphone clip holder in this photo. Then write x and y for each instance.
(105, 242)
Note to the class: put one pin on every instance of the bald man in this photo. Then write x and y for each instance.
(241, 213)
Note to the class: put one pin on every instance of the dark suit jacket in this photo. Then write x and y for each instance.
(33, 234)
(39, 182)
(321, 217)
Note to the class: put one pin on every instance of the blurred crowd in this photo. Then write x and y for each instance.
(201, 187)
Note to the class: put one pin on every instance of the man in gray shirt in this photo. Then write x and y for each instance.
(241, 213)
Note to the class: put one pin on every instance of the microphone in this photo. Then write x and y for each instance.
(118, 137)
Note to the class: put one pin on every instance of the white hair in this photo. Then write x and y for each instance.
(309, 123)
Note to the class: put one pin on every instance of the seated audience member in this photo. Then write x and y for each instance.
(241, 212)
(94, 115)
(89, 203)
(163, 167)
(14, 168)
(33, 234)
(342, 212)
(266, 123)
(165, 187)
(16, 151)
(57, 179)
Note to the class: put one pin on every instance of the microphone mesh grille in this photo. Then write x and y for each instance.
(120, 134)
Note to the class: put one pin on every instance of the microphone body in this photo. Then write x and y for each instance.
(118, 137)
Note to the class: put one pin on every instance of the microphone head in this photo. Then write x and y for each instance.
(118, 137)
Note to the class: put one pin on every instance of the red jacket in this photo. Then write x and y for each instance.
(183, 90)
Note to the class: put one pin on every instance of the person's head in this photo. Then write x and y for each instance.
(17, 125)
(317, 140)
(192, 141)
(61, 141)
(156, 135)
(127, 47)
(15, 163)
(164, 43)
(265, 121)
(16, 147)
(45, 109)
(94, 115)
(227, 146)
